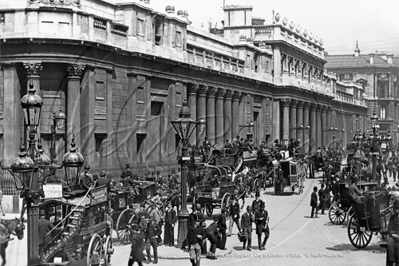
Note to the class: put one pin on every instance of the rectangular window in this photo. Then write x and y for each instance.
(158, 32)
(140, 26)
(140, 141)
(383, 113)
(156, 108)
(99, 139)
(178, 38)
(140, 95)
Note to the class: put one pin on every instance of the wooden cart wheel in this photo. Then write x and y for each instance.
(336, 214)
(123, 231)
(358, 236)
(209, 209)
(94, 251)
(226, 202)
(109, 250)
(349, 213)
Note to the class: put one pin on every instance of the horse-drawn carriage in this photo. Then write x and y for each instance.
(291, 176)
(81, 228)
(340, 209)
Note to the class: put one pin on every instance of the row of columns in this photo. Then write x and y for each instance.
(311, 123)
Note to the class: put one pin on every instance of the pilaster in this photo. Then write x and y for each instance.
(228, 134)
(210, 115)
(219, 116)
(201, 113)
(192, 104)
(286, 117)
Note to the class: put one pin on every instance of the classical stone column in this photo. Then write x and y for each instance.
(73, 102)
(313, 128)
(210, 115)
(228, 133)
(235, 110)
(192, 104)
(319, 125)
(299, 115)
(293, 121)
(306, 123)
(328, 125)
(324, 125)
(286, 117)
(219, 115)
(201, 113)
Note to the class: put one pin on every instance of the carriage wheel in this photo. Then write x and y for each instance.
(336, 214)
(95, 250)
(349, 213)
(359, 236)
(109, 250)
(124, 219)
(209, 209)
(226, 203)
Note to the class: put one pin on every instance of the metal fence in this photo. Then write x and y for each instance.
(7, 184)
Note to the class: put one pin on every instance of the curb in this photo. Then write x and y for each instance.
(186, 256)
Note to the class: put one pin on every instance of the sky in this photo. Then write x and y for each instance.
(340, 23)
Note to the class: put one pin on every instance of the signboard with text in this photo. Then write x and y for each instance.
(52, 191)
(99, 195)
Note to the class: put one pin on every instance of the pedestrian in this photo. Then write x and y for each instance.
(257, 202)
(246, 224)
(170, 221)
(222, 224)
(142, 220)
(322, 199)
(393, 239)
(86, 178)
(44, 229)
(193, 242)
(152, 233)
(313, 203)
(103, 180)
(262, 226)
(136, 253)
(234, 213)
(212, 232)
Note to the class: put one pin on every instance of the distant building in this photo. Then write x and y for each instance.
(122, 70)
(378, 73)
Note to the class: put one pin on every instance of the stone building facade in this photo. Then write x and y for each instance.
(122, 70)
(378, 74)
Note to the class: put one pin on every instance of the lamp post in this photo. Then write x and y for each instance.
(58, 123)
(374, 148)
(184, 127)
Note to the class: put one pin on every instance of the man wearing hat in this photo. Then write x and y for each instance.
(136, 253)
(246, 224)
(86, 178)
(393, 240)
(103, 180)
(257, 202)
(354, 196)
(262, 225)
(142, 219)
(234, 213)
(44, 227)
(195, 235)
(170, 221)
(152, 233)
(212, 234)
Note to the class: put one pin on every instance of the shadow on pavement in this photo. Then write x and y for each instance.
(271, 193)
(350, 247)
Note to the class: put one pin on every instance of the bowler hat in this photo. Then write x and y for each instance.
(87, 166)
(257, 194)
(249, 208)
(103, 173)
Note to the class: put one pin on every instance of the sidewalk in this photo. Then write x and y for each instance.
(169, 253)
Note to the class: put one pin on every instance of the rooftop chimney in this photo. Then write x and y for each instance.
(390, 59)
(170, 9)
(357, 50)
(371, 58)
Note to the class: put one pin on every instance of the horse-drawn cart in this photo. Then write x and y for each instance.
(289, 177)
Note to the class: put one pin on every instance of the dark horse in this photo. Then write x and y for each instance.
(8, 228)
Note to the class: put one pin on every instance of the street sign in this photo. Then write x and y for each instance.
(52, 191)
(99, 195)
(186, 158)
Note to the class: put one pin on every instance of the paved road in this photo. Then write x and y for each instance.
(295, 239)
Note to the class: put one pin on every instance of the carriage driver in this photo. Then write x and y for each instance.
(393, 240)
(357, 203)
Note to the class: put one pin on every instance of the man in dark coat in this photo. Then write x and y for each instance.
(262, 226)
(313, 202)
(212, 234)
(234, 214)
(86, 178)
(257, 202)
(246, 224)
(222, 224)
(142, 219)
(393, 240)
(153, 231)
(45, 226)
(195, 235)
(322, 199)
(136, 253)
(103, 180)
(170, 221)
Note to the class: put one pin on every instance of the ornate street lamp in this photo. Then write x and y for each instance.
(184, 127)
(374, 148)
(59, 119)
(73, 162)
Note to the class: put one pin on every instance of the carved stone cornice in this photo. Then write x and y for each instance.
(220, 93)
(285, 102)
(229, 94)
(211, 91)
(33, 68)
(237, 95)
(193, 88)
(203, 89)
(75, 70)
(300, 104)
(56, 2)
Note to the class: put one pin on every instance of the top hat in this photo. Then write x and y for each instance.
(103, 173)
(87, 166)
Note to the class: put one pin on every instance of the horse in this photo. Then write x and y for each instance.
(7, 228)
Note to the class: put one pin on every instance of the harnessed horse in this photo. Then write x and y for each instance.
(7, 228)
